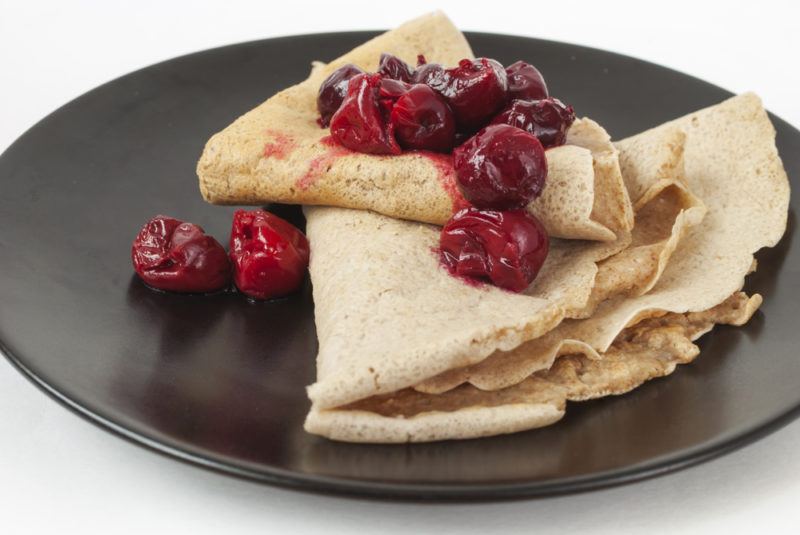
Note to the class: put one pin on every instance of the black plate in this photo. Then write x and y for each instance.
(219, 381)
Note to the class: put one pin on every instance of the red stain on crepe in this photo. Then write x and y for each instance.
(320, 165)
(279, 147)
(328, 141)
(443, 163)
(447, 177)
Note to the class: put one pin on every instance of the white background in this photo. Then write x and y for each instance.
(59, 474)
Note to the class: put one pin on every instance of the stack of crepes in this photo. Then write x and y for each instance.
(651, 240)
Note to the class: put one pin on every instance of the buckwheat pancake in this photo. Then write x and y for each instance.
(648, 350)
(730, 163)
(388, 315)
(278, 153)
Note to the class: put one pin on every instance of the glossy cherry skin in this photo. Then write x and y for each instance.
(500, 168)
(475, 90)
(360, 123)
(395, 68)
(332, 92)
(422, 120)
(504, 248)
(269, 255)
(547, 119)
(433, 75)
(169, 254)
(525, 82)
(392, 89)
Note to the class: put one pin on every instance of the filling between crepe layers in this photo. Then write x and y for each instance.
(652, 348)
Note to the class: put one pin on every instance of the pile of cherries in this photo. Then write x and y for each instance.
(268, 256)
(496, 122)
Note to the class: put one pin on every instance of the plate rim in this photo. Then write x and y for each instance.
(410, 492)
(382, 491)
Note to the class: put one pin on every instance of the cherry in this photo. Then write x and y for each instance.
(269, 254)
(169, 254)
(525, 82)
(433, 75)
(501, 168)
(475, 90)
(505, 248)
(359, 123)
(395, 68)
(422, 120)
(332, 92)
(547, 119)
(392, 89)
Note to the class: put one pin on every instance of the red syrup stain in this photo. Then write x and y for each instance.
(447, 177)
(328, 141)
(320, 165)
(279, 147)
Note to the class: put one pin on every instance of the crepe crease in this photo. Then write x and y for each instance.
(637, 332)
(278, 153)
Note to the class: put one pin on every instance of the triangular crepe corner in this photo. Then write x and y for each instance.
(277, 153)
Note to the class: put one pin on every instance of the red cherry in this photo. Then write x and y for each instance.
(172, 255)
(392, 89)
(525, 82)
(504, 248)
(475, 90)
(359, 124)
(500, 168)
(422, 120)
(269, 254)
(433, 75)
(547, 119)
(332, 92)
(395, 68)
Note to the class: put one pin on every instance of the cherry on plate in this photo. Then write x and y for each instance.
(547, 119)
(506, 249)
(501, 168)
(269, 255)
(176, 256)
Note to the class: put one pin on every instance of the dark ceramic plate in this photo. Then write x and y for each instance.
(219, 381)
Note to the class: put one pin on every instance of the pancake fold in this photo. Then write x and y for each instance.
(730, 164)
(651, 240)
(278, 153)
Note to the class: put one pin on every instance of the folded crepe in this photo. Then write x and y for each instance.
(278, 153)
(399, 322)
(380, 295)
(652, 348)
